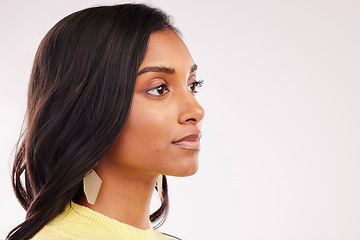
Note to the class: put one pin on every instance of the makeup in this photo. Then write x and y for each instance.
(191, 142)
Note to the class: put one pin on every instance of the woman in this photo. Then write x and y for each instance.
(111, 111)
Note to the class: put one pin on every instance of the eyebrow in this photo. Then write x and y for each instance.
(163, 69)
(193, 68)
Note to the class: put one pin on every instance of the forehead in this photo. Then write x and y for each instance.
(166, 48)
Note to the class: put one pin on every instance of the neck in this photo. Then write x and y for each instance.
(124, 195)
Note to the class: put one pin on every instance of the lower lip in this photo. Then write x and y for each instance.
(191, 145)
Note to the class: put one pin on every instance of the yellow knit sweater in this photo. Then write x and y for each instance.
(81, 223)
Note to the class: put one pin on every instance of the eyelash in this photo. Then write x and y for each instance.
(165, 87)
(197, 84)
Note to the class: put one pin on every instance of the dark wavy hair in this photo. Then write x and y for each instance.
(79, 98)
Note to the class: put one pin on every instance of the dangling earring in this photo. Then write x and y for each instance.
(159, 185)
(91, 183)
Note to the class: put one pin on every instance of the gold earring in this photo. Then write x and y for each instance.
(159, 185)
(91, 183)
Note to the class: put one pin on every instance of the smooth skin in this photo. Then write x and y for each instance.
(164, 110)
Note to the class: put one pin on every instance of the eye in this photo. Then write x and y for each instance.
(159, 90)
(193, 87)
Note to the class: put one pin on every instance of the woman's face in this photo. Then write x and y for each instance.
(164, 111)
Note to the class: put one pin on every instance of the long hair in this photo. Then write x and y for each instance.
(79, 98)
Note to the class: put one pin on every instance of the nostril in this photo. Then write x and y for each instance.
(191, 120)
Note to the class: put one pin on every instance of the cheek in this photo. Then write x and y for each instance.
(146, 138)
(145, 145)
(150, 128)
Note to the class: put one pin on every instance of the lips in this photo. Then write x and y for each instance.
(191, 142)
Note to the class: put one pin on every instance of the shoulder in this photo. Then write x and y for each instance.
(57, 228)
(162, 236)
(46, 234)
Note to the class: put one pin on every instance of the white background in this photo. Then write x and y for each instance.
(280, 154)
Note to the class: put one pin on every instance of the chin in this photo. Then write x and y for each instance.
(186, 169)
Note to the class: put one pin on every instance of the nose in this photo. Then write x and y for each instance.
(191, 111)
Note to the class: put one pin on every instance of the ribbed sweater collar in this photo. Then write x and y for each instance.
(94, 225)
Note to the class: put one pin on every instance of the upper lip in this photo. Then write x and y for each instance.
(190, 137)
